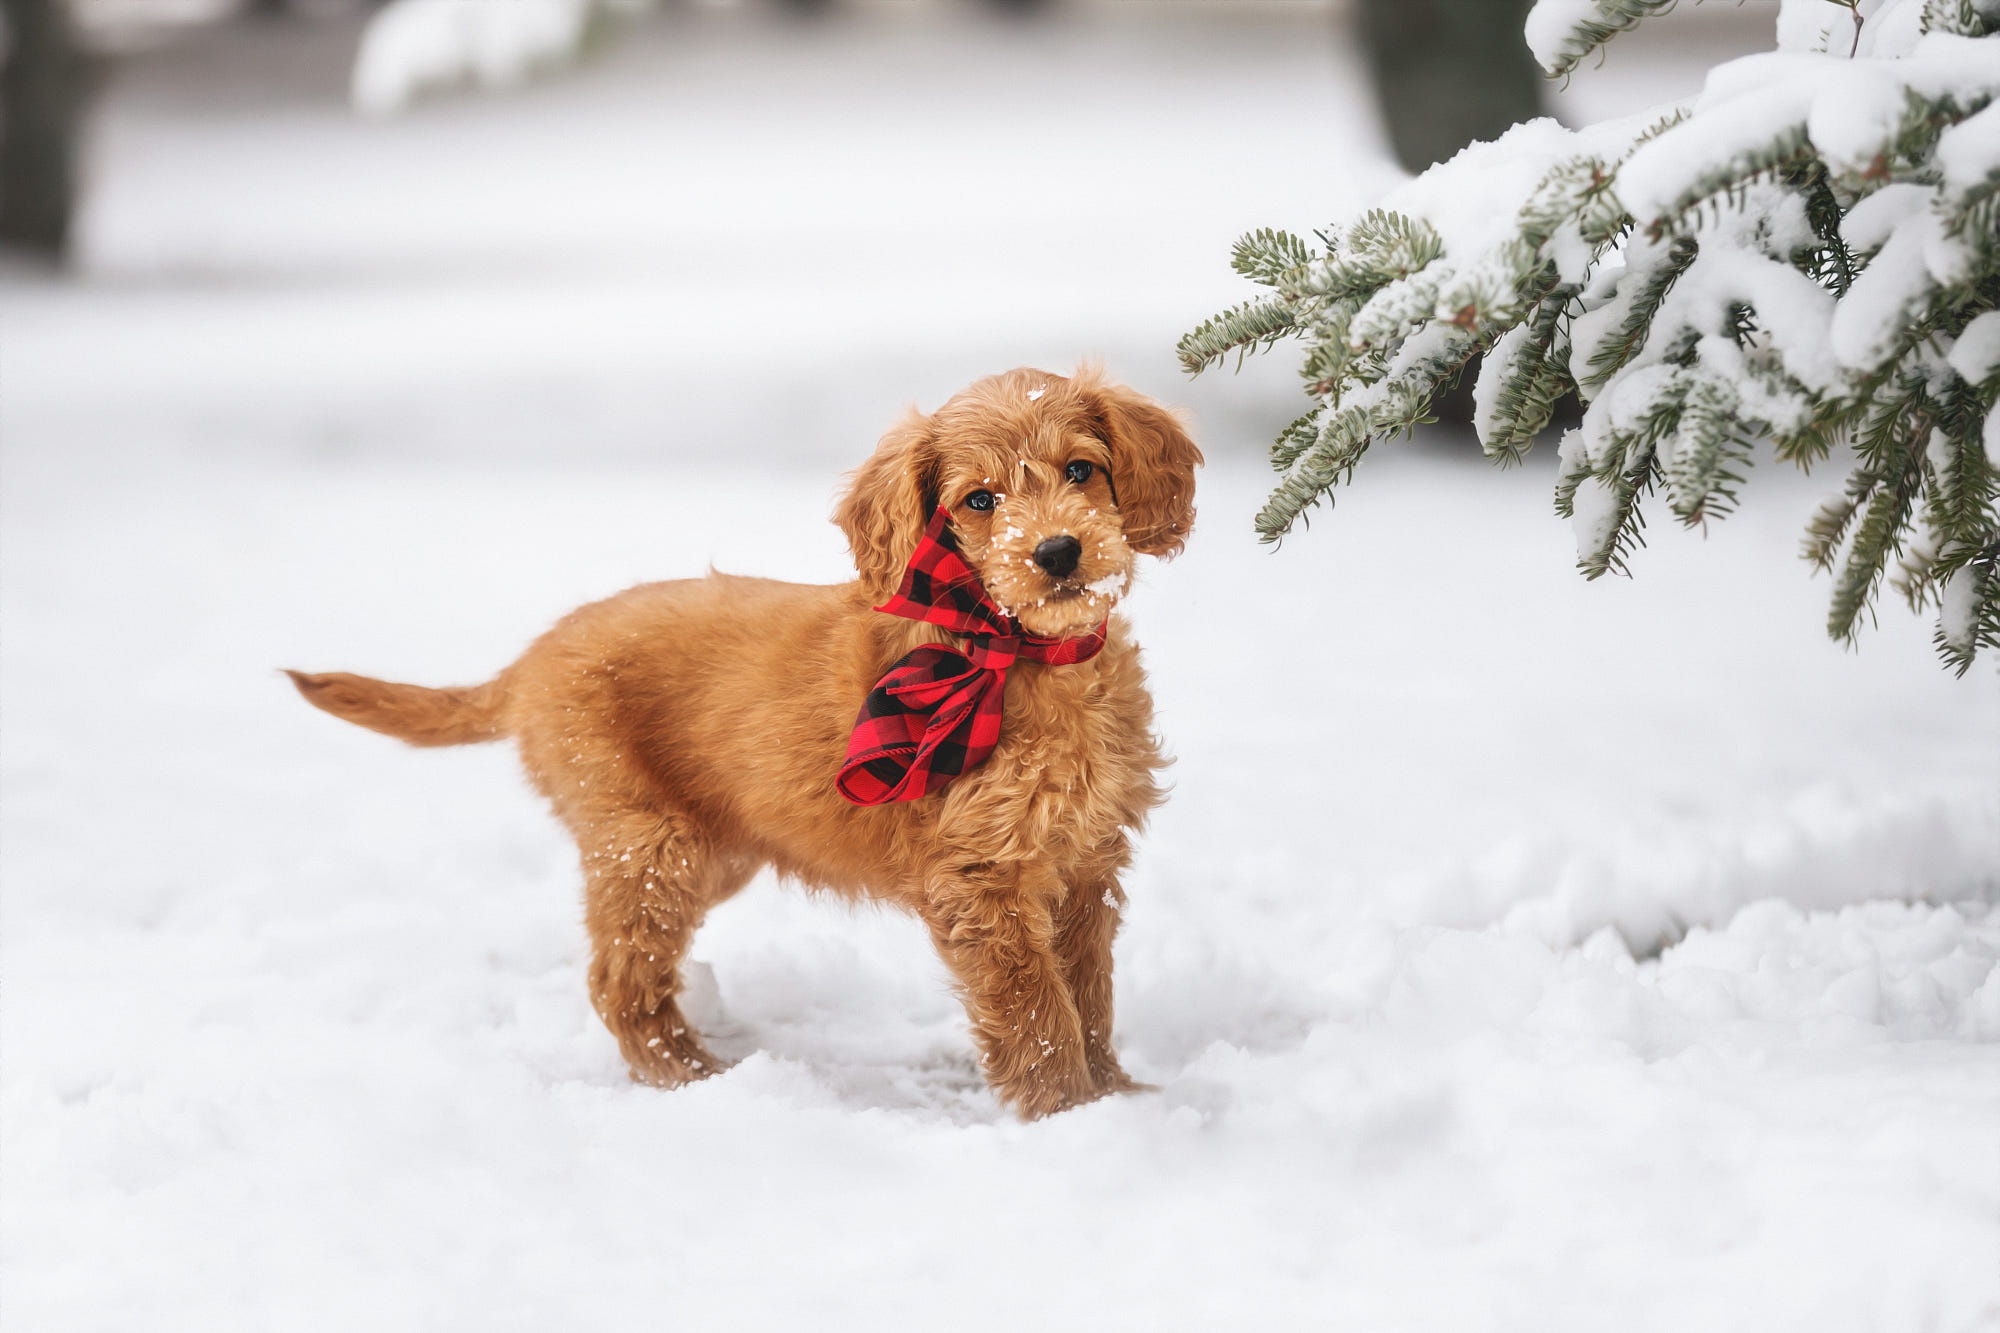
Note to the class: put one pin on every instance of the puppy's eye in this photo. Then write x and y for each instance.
(1079, 471)
(980, 500)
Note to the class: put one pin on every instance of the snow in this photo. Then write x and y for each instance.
(1891, 28)
(1550, 24)
(1969, 151)
(1874, 315)
(1594, 504)
(1959, 618)
(1861, 117)
(1473, 200)
(1886, 27)
(1849, 108)
(413, 46)
(1811, 25)
(1486, 388)
(1976, 353)
(1621, 408)
(1744, 104)
(1791, 308)
(1513, 951)
(1873, 220)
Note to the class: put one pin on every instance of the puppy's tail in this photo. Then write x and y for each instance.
(461, 715)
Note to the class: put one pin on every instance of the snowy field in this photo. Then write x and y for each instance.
(1513, 953)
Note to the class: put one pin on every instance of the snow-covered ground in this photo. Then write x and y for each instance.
(1514, 952)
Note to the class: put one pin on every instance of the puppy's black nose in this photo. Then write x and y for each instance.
(1058, 555)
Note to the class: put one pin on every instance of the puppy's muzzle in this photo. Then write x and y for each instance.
(1057, 556)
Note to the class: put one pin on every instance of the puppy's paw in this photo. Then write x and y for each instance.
(1119, 1081)
(1110, 1077)
(1039, 1100)
(661, 1065)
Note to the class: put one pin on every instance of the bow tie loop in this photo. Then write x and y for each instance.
(926, 691)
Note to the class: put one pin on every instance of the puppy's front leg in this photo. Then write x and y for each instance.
(1085, 925)
(995, 927)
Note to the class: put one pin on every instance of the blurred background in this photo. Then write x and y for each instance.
(508, 227)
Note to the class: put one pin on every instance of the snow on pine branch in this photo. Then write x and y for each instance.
(1808, 255)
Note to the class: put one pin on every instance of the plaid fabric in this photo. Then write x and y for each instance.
(936, 714)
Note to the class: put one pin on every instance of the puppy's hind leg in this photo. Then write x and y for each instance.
(649, 881)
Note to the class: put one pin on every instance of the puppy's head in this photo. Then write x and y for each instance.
(1053, 484)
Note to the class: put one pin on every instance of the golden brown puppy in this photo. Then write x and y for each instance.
(690, 733)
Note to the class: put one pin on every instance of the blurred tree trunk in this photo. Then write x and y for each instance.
(1448, 72)
(41, 112)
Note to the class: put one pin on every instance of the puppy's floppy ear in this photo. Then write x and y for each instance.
(1152, 464)
(888, 501)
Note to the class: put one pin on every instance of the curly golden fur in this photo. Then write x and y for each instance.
(689, 733)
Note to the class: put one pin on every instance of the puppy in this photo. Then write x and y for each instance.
(964, 730)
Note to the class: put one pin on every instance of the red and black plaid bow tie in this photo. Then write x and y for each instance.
(937, 713)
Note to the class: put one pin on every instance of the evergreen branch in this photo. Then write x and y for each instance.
(1880, 531)
(1327, 364)
(1629, 469)
(1250, 327)
(1918, 580)
(1969, 616)
(1973, 214)
(1395, 310)
(1789, 150)
(1587, 34)
(1654, 284)
(1344, 436)
(1830, 262)
(1959, 17)
(1683, 376)
(1853, 7)
(1628, 527)
(1526, 379)
(1392, 245)
(1913, 142)
(1827, 528)
(1706, 450)
(1294, 440)
(1832, 425)
(1964, 484)
(1269, 257)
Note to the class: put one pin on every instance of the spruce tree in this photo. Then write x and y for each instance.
(1807, 254)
